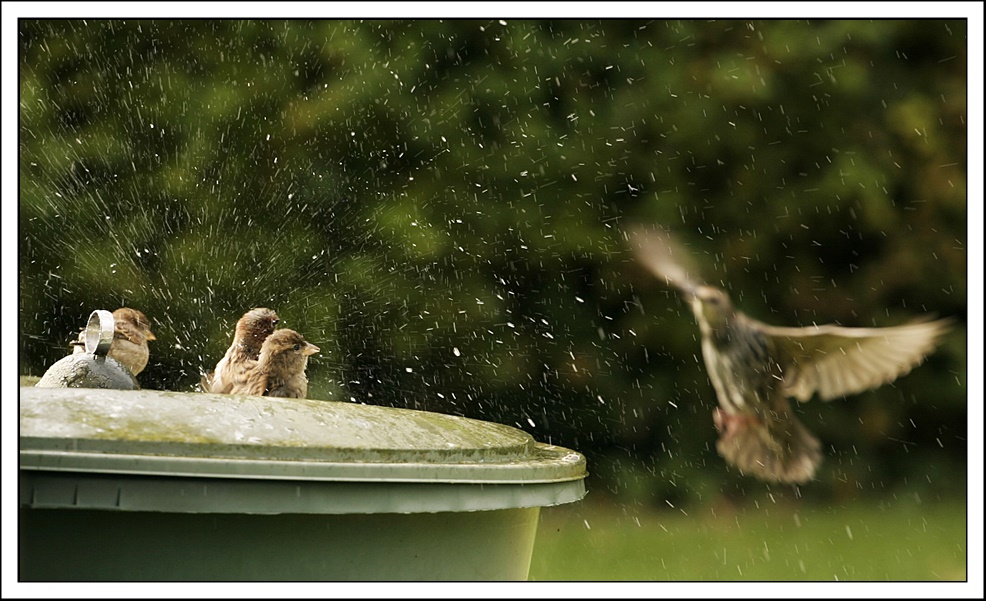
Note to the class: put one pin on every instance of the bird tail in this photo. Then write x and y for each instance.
(206, 382)
(776, 448)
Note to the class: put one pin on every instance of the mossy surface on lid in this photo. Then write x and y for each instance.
(256, 427)
(169, 437)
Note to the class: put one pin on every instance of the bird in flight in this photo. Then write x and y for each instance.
(756, 367)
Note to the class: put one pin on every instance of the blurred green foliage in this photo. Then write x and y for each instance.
(439, 205)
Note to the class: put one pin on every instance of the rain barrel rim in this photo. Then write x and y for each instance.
(49, 490)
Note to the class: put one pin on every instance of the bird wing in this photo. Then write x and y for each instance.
(835, 361)
(248, 379)
(125, 331)
(662, 255)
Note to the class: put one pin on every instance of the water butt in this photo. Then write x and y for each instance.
(148, 485)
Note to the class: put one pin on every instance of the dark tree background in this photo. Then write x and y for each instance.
(440, 206)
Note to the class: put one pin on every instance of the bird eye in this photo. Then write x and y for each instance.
(273, 322)
(297, 347)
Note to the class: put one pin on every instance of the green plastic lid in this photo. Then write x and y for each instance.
(170, 451)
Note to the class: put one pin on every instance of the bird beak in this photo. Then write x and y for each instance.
(150, 335)
(311, 349)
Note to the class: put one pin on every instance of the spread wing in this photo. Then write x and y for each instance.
(835, 361)
(663, 256)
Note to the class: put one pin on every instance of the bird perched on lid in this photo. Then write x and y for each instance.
(233, 369)
(756, 367)
(280, 369)
(132, 331)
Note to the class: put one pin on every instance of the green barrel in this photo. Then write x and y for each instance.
(148, 485)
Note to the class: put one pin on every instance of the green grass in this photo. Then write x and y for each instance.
(898, 541)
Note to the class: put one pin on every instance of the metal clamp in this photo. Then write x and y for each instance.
(99, 332)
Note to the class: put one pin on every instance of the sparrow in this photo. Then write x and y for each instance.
(280, 369)
(234, 368)
(756, 367)
(132, 331)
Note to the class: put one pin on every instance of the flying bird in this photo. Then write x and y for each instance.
(756, 367)
(132, 331)
(234, 368)
(280, 369)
